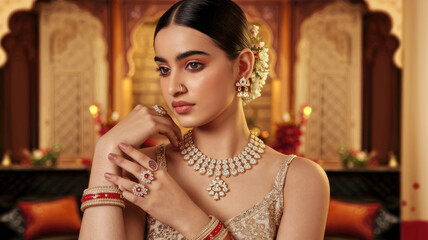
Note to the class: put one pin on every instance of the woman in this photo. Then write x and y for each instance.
(203, 184)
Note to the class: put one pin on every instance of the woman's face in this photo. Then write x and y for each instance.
(188, 57)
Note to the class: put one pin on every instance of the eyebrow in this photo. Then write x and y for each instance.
(182, 55)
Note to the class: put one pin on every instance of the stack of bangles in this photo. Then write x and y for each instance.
(101, 196)
(214, 230)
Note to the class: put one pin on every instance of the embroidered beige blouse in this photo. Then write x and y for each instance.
(259, 222)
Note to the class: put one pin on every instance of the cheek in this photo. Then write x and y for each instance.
(215, 85)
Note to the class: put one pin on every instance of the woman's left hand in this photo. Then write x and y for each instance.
(165, 199)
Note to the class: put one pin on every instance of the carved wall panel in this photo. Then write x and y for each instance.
(328, 78)
(73, 76)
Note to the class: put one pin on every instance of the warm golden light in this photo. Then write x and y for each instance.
(265, 134)
(93, 109)
(307, 112)
(286, 117)
(115, 116)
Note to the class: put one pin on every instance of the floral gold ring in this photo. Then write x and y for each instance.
(140, 190)
(147, 176)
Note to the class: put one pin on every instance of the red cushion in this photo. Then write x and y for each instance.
(351, 219)
(50, 217)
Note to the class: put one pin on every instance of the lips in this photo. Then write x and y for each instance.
(182, 106)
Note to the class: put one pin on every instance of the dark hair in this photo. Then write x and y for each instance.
(222, 20)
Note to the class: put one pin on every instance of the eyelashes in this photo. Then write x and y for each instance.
(163, 71)
(191, 66)
(195, 66)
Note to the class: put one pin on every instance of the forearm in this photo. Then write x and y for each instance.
(103, 222)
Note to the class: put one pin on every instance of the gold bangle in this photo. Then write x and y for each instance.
(102, 202)
(100, 189)
(207, 229)
(93, 202)
(222, 234)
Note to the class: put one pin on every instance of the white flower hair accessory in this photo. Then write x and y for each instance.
(261, 67)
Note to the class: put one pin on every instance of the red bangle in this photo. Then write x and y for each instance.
(214, 232)
(88, 197)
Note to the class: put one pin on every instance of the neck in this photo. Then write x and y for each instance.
(226, 136)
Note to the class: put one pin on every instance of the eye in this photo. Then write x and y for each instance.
(164, 71)
(195, 66)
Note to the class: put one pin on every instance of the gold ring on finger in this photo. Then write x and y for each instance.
(160, 110)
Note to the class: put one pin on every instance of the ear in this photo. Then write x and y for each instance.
(245, 63)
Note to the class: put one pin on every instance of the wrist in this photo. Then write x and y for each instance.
(106, 142)
(101, 164)
(193, 225)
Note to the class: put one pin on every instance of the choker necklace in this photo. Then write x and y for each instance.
(226, 167)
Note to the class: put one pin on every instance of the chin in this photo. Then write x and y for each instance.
(189, 121)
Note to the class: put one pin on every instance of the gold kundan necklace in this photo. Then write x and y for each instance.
(226, 167)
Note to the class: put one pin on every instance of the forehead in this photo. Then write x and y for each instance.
(176, 39)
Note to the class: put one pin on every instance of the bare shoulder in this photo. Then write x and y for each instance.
(301, 169)
(306, 181)
(306, 200)
(306, 173)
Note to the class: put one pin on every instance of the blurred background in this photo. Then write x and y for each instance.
(345, 89)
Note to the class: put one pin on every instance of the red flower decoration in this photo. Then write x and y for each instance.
(288, 138)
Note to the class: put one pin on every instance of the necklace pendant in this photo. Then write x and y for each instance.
(217, 188)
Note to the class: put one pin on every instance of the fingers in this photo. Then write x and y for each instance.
(167, 131)
(162, 124)
(126, 186)
(139, 157)
(134, 168)
(167, 120)
(123, 183)
(175, 127)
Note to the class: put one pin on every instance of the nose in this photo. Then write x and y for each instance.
(175, 87)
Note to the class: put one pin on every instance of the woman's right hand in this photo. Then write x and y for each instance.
(140, 124)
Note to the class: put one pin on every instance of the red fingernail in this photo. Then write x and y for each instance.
(123, 146)
(111, 156)
(153, 165)
(107, 175)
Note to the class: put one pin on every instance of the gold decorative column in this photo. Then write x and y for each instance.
(414, 142)
(120, 87)
(285, 104)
